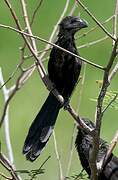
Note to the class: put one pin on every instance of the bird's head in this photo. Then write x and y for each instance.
(71, 25)
(89, 123)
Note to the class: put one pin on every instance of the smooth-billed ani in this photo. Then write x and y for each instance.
(64, 70)
(84, 144)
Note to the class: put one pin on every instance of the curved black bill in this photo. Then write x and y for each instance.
(82, 23)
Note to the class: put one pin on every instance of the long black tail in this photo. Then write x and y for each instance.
(41, 128)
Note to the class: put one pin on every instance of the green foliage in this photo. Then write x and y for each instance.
(82, 175)
(111, 100)
(33, 174)
(109, 97)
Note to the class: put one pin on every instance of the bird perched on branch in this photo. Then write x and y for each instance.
(84, 144)
(64, 70)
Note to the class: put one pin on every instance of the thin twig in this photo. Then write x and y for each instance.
(94, 28)
(55, 27)
(71, 149)
(35, 11)
(112, 100)
(39, 52)
(74, 126)
(92, 43)
(18, 66)
(73, 9)
(5, 162)
(5, 177)
(94, 18)
(58, 157)
(45, 41)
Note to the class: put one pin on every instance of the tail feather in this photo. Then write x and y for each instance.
(41, 128)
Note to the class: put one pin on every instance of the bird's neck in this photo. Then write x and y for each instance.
(66, 36)
(66, 41)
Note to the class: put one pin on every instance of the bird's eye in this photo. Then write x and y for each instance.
(73, 21)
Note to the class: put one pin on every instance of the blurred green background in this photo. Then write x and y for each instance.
(27, 102)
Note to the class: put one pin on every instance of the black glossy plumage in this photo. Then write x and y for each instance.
(64, 70)
(84, 143)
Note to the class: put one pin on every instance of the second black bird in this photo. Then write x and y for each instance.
(84, 145)
(64, 70)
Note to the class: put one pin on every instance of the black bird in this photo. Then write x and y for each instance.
(64, 70)
(84, 144)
